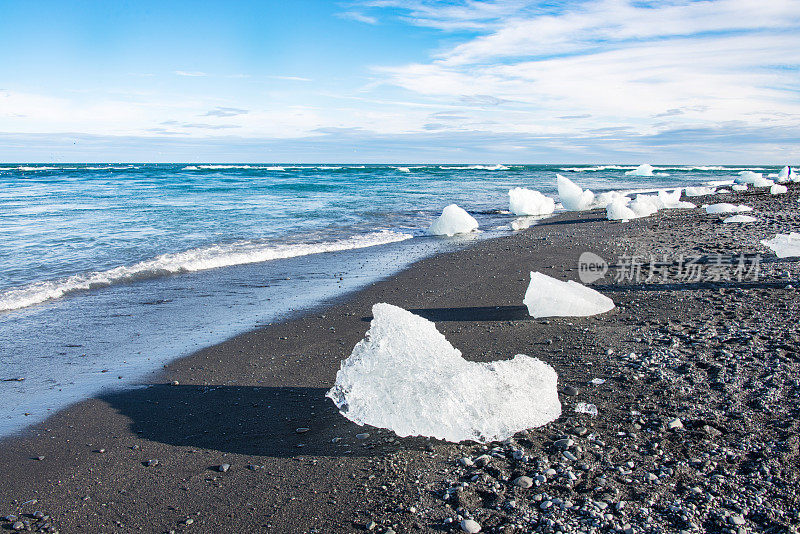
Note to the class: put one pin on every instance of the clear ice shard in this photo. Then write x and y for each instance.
(405, 376)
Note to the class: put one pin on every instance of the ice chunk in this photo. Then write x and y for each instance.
(521, 223)
(740, 219)
(778, 189)
(452, 221)
(756, 179)
(618, 210)
(604, 199)
(573, 198)
(405, 376)
(784, 245)
(646, 205)
(549, 297)
(583, 407)
(642, 170)
(673, 200)
(787, 174)
(699, 191)
(739, 187)
(724, 207)
(523, 201)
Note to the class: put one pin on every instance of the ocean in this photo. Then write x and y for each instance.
(107, 272)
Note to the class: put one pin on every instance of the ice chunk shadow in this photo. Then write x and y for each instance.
(257, 421)
(471, 313)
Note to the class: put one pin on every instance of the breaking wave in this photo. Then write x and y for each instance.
(199, 259)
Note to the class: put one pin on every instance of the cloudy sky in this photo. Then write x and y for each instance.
(517, 81)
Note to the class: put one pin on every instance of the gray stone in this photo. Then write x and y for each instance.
(523, 482)
(471, 526)
(571, 391)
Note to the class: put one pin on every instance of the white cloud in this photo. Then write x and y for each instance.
(191, 74)
(359, 17)
(613, 64)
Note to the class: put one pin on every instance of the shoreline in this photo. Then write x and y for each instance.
(241, 402)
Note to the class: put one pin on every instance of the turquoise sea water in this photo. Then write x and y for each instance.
(109, 271)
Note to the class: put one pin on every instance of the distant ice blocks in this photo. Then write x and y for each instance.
(523, 201)
(740, 219)
(724, 207)
(548, 297)
(699, 191)
(644, 169)
(452, 221)
(405, 376)
(784, 245)
(573, 198)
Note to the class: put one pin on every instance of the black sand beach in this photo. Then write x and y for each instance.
(697, 425)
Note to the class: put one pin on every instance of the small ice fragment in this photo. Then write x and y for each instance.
(452, 221)
(784, 245)
(523, 201)
(644, 169)
(598, 381)
(549, 297)
(778, 189)
(699, 191)
(584, 407)
(725, 207)
(618, 210)
(405, 376)
(573, 198)
(740, 219)
(739, 187)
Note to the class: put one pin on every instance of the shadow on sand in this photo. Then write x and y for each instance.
(471, 313)
(258, 421)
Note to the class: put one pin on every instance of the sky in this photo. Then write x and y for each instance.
(391, 81)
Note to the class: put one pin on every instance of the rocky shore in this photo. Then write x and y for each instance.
(679, 407)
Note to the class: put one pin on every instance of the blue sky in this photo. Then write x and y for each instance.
(713, 81)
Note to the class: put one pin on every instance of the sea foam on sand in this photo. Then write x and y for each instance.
(405, 376)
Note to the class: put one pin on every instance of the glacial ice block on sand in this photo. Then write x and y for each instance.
(405, 376)
(699, 191)
(787, 174)
(573, 198)
(618, 210)
(523, 201)
(549, 297)
(739, 219)
(452, 221)
(778, 189)
(724, 207)
(784, 245)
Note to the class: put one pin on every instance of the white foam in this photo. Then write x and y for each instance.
(523, 201)
(725, 207)
(232, 167)
(403, 169)
(740, 219)
(572, 196)
(198, 259)
(497, 167)
(784, 245)
(597, 168)
(405, 376)
(452, 221)
(549, 297)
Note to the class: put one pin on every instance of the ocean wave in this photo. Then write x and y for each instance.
(497, 167)
(599, 168)
(232, 167)
(199, 259)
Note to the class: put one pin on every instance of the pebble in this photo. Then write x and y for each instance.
(466, 462)
(523, 482)
(571, 391)
(18, 525)
(363, 435)
(675, 424)
(563, 444)
(470, 525)
(483, 460)
(302, 430)
(371, 525)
